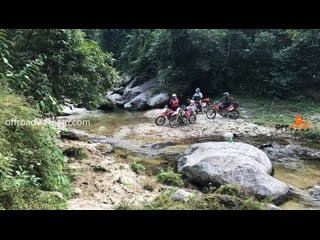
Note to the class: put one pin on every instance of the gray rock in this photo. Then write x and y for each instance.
(131, 92)
(315, 192)
(180, 196)
(235, 163)
(114, 97)
(272, 207)
(289, 155)
(159, 145)
(305, 198)
(138, 103)
(77, 191)
(74, 135)
(158, 100)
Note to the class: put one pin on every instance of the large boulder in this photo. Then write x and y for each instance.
(236, 163)
(130, 93)
(114, 97)
(158, 100)
(138, 103)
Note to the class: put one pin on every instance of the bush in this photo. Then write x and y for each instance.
(29, 159)
(137, 167)
(251, 204)
(229, 189)
(169, 177)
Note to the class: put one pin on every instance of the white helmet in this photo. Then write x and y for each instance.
(174, 95)
(198, 90)
(226, 94)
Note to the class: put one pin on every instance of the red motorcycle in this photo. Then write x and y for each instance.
(181, 116)
(230, 111)
(204, 104)
(164, 115)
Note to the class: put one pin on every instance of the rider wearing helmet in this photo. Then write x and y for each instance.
(174, 102)
(197, 97)
(226, 100)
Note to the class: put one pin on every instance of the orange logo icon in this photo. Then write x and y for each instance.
(300, 124)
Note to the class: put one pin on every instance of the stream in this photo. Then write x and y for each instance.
(295, 163)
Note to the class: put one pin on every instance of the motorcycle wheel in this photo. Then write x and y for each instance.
(173, 121)
(160, 120)
(192, 119)
(234, 114)
(211, 113)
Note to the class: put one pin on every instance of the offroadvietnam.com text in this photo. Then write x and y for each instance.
(41, 122)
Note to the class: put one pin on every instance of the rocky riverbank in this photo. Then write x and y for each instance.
(106, 181)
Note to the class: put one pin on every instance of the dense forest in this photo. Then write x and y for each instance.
(274, 63)
(40, 68)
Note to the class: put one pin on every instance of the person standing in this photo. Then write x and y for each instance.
(174, 102)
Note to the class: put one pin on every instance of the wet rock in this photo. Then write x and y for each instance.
(290, 155)
(181, 196)
(159, 145)
(315, 192)
(74, 135)
(235, 163)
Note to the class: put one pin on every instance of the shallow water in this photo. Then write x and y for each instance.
(107, 124)
(305, 176)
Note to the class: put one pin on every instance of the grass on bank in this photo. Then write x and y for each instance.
(266, 112)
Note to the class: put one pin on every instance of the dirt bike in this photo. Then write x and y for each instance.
(230, 111)
(204, 104)
(163, 116)
(181, 116)
(191, 113)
